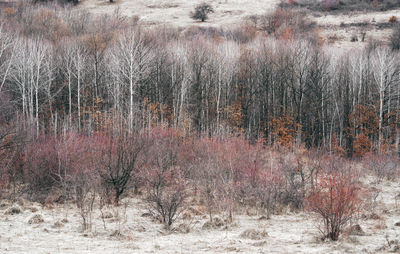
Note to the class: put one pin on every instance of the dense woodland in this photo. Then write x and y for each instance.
(100, 99)
(63, 70)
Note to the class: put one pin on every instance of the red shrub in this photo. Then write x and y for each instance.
(119, 156)
(164, 178)
(10, 143)
(60, 164)
(78, 174)
(40, 166)
(8, 155)
(336, 199)
(231, 171)
(382, 166)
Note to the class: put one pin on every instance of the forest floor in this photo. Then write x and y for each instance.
(129, 229)
(336, 29)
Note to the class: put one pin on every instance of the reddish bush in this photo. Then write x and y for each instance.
(9, 154)
(206, 172)
(330, 5)
(393, 19)
(382, 166)
(40, 166)
(78, 175)
(165, 181)
(61, 164)
(120, 158)
(233, 172)
(166, 194)
(85, 184)
(286, 24)
(243, 34)
(336, 198)
(11, 145)
(269, 188)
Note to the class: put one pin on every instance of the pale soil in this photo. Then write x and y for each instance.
(229, 13)
(177, 12)
(287, 233)
(330, 26)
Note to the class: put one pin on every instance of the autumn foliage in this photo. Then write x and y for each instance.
(284, 130)
(361, 145)
(96, 108)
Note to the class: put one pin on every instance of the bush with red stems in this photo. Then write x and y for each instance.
(166, 186)
(336, 198)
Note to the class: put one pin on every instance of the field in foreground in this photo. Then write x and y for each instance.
(129, 229)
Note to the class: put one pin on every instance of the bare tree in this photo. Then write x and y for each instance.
(29, 73)
(131, 64)
(165, 182)
(68, 65)
(6, 56)
(121, 162)
(79, 60)
(385, 69)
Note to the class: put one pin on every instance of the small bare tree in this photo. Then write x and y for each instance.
(85, 180)
(85, 195)
(201, 12)
(166, 185)
(166, 195)
(208, 171)
(120, 157)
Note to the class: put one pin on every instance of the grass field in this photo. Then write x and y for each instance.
(337, 29)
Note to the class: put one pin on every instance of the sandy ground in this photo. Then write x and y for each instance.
(287, 233)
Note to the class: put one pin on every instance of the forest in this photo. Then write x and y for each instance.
(97, 107)
(64, 70)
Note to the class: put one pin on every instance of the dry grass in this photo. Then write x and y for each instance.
(229, 13)
(127, 231)
(177, 12)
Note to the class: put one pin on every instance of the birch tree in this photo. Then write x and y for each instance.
(131, 64)
(79, 60)
(7, 50)
(385, 70)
